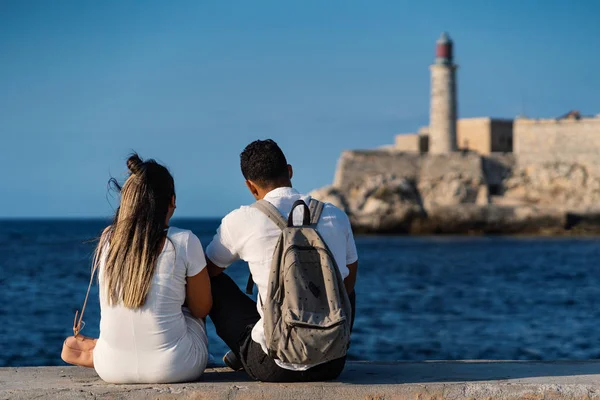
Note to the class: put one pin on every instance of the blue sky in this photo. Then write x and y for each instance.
(190, 83)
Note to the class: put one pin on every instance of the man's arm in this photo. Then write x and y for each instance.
(220, 253)
(351, 258)
(350, 280)
(213, 270)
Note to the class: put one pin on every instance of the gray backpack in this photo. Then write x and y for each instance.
(307, 312)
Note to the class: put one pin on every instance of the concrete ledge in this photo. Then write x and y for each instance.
(360, 380)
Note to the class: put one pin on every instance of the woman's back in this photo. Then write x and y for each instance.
(158, 342)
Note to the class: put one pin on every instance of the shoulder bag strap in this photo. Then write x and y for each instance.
(77, 323)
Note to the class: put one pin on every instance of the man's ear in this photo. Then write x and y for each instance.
(252, 188)
(291, 171)
(173, 202)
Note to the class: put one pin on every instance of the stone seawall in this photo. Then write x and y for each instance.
(386, 191)
(459, 380)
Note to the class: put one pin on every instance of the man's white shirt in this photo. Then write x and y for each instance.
(247, 234)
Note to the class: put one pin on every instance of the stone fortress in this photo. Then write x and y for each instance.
(474, 175)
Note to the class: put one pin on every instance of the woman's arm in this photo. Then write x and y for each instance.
(198, 296)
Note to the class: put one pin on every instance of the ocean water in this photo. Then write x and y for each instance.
(417, 297)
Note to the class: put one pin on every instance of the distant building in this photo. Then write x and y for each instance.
(482, 135)
(412, 142)
(443, 109)
(485, 135)
(565, 137)
(570, 138)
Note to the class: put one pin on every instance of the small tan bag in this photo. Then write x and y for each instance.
(79, 349)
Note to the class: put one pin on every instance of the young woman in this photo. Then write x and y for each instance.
(154, 287)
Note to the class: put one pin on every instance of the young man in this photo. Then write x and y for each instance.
(248, 234)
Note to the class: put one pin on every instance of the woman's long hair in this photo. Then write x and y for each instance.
(130, 247)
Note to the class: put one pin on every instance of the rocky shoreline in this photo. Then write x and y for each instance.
(386, 192)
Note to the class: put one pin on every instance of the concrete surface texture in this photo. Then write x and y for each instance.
(360, 380)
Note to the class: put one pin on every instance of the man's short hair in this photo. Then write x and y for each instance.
(263, 162)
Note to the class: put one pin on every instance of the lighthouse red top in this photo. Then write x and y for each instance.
(443, 50)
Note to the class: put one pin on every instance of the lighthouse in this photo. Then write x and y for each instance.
(442, 114)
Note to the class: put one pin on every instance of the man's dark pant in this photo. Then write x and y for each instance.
(234, 315)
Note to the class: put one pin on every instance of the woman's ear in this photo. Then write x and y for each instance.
(173, 203)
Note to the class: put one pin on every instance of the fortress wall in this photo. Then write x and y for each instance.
(467, 177)
(465, 192)
(556, 140)
(439, 166)
(550, 143)
(356, 166)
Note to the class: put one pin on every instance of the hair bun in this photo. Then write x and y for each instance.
(134, 163)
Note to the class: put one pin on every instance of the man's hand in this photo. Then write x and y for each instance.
(213, 270)
(350, 280)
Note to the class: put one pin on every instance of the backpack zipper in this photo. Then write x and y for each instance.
(293, 325)
(311, 326)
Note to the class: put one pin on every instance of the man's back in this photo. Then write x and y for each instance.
(247, 234)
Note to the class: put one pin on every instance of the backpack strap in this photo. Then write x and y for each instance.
(316, 209)
(272, 212)
(306, 217)
(274, 215)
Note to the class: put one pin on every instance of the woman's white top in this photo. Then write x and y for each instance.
(160, 342)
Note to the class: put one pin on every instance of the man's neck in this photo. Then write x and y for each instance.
(265, 191)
